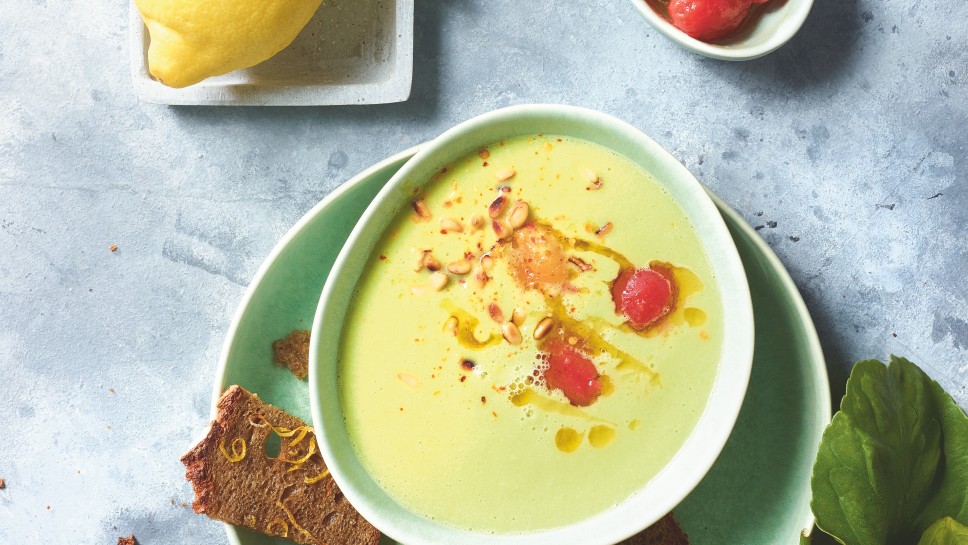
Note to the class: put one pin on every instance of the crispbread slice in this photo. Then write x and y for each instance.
(290, 496)
(666, 531)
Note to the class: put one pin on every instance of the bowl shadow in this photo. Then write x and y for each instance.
(818, 55)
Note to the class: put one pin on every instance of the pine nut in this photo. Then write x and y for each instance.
(430, 261)
(487, 262)
(420, 261)
(481, 279)
(450, 326)
(580, 263)
(422, 210)
(590, 176)
(497, 206)
(511, 333)
(518, 316)
(460, 267)
(495, 312)
(501, 229)
(477, 222)
(450, 224)
(505, 174)
(543, 327)
(438, 281)
(518, 214)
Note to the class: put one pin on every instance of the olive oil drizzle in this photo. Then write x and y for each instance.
(466, 326)
(594, 343)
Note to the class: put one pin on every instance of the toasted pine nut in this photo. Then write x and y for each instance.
(420, 261)
(409, 380)
(450, 326)
(511, 333)
(495, 312)
(438, 281)
(481, 279)
(450, 224)
(573, 340)
(497, 206)
(422, 210)
(430, 261)
(543, 327)
(590, 176)
(518, 214)
(518, 316)
(505, 174)
(501, 229)
(487, 262)
(580, 263)
(604, 229)
(477, 221)
(460, 267)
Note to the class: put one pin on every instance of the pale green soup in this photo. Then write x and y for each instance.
(455, 421)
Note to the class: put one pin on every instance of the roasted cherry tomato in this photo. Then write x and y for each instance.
(644, 296)
(709, 20)
(572, 372)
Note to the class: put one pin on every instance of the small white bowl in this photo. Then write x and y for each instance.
(661, 494)
(777, 22)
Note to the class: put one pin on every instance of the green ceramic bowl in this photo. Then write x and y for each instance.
(758, 491)
(702, 446)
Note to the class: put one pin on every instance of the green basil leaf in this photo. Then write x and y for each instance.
(946, 531)
(951, 497)
(878, 458)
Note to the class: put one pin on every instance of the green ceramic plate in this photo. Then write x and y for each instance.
(758, 491)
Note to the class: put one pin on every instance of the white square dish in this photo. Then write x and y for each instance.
(351, 52)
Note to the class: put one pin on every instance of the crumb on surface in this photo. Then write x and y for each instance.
(127, 540)
(3, 483)
(113, 247)
(293, 352)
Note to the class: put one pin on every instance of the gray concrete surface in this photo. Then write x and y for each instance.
(849, 147)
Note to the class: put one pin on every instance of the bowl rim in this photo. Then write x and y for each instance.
(783, 34)
(700, 448)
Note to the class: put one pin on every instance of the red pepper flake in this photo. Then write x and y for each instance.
(483, 154)
(463, 378)
(486, 164)
(558, 139)
(383, 257)
(468, 364)
(483, 400)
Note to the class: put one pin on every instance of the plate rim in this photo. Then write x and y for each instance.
(813, 346)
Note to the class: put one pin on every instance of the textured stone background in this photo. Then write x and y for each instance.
(849, 146)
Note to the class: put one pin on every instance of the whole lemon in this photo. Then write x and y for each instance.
(195, 39)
